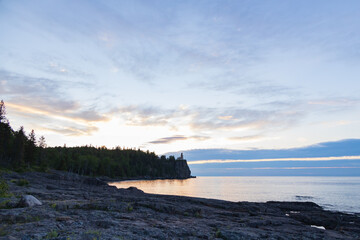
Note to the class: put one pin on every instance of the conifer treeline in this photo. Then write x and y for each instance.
(22, 152)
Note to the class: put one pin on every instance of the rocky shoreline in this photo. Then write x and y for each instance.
(76, 207)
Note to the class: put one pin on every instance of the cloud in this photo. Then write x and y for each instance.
(246, 138)
(17, 85)
(240, 84)
(44, 96)
(203, 118)
(145, 115)
(42, 100)
(72, 131)
(274, 159)
(292, 168)
(225, 117)
(69, 114)
(244, 118)
(345, 147)
(168, 140)
(58, 68)
(335, 102)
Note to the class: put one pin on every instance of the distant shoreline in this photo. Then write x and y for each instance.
(111, 180)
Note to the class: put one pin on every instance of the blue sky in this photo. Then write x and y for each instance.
(340, 158)
(169, 76)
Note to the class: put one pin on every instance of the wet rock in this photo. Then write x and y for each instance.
(29, 201)
(103, 224)
(78, 210)
(94, 181)
(134, 190)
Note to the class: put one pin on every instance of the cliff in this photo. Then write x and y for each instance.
(182, 169)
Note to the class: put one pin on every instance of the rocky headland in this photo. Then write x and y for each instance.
(60, 205)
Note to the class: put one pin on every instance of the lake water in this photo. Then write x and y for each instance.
(333, 193)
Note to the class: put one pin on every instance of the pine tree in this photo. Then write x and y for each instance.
(19, 148)
(42, 142)
(30, 149)
(2, 111)
(6, 137)
(42, 153)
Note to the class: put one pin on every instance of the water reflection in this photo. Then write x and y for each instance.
(184, 187)
(337, 193)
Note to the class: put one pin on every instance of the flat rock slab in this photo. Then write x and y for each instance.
(69, 206)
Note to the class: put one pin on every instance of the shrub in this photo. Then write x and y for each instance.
(4, 188)
(129, 207)
(4, 204)
(52, 234)
(3, 231)
(22, 182)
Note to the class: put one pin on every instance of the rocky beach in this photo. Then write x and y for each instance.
(61, 205)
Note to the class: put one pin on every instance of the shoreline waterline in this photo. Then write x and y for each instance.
(332, 193)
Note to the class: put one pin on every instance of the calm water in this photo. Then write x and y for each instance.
(334, 193)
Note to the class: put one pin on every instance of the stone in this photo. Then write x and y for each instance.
(63, 218)
(29, 201)
(108, 213)
(104, 224)
(94, 181)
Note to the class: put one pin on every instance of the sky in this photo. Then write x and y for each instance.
(171, 76)
(339, 158)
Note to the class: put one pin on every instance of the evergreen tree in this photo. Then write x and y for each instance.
(30, 149)
(6, 137)
(42, 154)
(42, 142)
(2, 111)
(19, 149)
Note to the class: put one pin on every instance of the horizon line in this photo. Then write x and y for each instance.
(273, 160)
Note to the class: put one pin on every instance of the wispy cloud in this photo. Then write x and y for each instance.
(49, 121)
(202, 118)
(71, 131)
(70, 114)
(335, 102)
(236, 84)
(167, 140)
(245, 69)
(246, 138)
(42, 98)
(291, 168)
(146, 116)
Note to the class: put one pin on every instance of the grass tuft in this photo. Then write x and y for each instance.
(52, 234)
(22, 182)
(4, 188)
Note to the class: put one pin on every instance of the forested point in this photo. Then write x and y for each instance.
(22, 152)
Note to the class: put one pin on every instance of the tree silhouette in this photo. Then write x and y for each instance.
(19, 151)
(19, 148)
(30, 149)
(2, 111)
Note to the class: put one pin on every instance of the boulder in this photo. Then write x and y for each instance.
(134, 190)
(28, 201)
